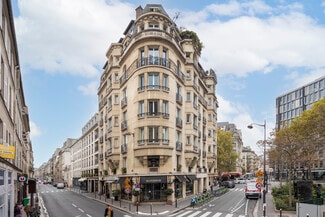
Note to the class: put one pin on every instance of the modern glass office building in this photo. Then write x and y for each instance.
(293, 103)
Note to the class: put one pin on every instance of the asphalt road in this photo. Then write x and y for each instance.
(231, 204)
(66, 203)
(63, 202)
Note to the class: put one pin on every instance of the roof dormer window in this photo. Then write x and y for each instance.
(154, 9)
(153, 26)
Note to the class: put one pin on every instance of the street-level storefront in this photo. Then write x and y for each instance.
(83, 183)
(151, 188)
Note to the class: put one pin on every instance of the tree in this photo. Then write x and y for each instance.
(187, 34)
(288, 149)
(302, 141)
(310, 127)
(226, 156)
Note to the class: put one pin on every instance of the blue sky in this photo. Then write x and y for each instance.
(259, 50)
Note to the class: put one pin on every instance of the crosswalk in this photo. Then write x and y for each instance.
(53, 191)
(197, 213)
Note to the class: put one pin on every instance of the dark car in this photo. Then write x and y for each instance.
(229, 184)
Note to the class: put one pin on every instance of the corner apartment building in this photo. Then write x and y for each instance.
(292, 104)
(157, 112)
(16, 157)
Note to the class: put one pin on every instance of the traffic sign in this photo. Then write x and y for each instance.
(22, 178)
(259, 179)
(127, 190)
(258, 185)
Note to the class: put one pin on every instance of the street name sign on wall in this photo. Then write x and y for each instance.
(7, 151)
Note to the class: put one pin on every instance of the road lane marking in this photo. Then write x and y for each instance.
(184, 214)
(229, 215)
(217, 214)
(246, 207)
(205, 214)
(195, 214)
(74, 205)
(80, 210)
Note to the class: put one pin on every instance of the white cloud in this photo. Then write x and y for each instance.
(89, 89)
(247, 44)
(232, 8)
(35, 131)
(235, 8)
(309, 77)
(69, 36)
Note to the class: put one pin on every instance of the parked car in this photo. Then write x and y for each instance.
(240, 181)
(251, 190)
(229, 184)
(60, 185)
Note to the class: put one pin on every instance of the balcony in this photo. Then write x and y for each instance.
(124, 148)
(179, 99)
(124, 125)
(124, 102)
(179, 122)
(149, 61)
(179, 146)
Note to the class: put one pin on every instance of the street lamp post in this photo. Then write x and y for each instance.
(264, 159)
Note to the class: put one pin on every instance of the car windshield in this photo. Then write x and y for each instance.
(251, 186)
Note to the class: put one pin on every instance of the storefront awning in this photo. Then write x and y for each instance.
(181, 178)
(191, 177)
(112, 179)
(121, 180)
(82, 179)
(153, 179)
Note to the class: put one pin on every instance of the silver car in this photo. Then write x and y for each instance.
(60, 186)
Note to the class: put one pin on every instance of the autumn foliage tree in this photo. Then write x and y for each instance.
(299, 145)
(226, 156)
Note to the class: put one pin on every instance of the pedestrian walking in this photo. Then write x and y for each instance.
(27, 210)
(18, 210)
(108, 211)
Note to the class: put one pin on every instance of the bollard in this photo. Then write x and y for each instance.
(137, 207)
(176, 203)
(307, 215)
(280, 212)
(151, 209)
(120, 203)
(129, 206)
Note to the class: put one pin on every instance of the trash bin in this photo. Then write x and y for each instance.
(25, 201)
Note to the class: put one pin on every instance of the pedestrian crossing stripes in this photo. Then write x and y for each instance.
(53, 191)
(193, 213)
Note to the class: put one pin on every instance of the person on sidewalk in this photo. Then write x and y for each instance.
(18, 210)
(27, 210)
(108, 211)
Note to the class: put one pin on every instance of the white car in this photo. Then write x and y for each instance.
(60, 186)
(240, 181)
(252, 190)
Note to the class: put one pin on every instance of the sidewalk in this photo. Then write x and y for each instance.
(144, 209)
(270, 207)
